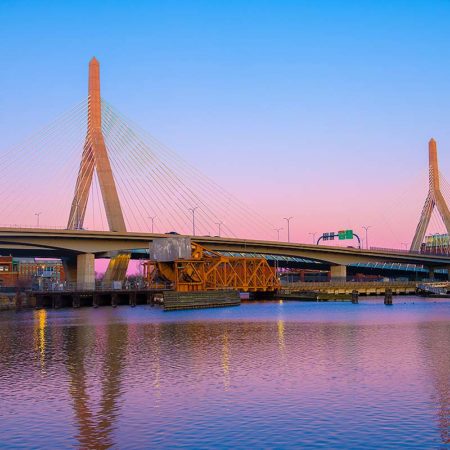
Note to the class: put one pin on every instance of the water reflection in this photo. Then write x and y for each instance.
(436, 339)
(39, 336)
(115, 378)
(95, 424)
(226, 361)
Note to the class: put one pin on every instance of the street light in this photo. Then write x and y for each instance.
(219, 224)
(288, 220)
(193, 219)
(37, 216)
(313, 236)
(77, 214)
(278, 232)
(405, 244)
(152, 218)
(367, 238)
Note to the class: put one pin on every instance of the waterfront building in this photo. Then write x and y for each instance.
(436, 244)
(15, 272)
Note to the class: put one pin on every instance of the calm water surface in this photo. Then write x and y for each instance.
(263, 375)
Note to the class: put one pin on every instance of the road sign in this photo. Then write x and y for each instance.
(345, 234)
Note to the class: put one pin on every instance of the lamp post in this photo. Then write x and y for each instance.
(313, 236)
(193, 219)
(367, 238)
(37, 218)
(405, 244)
(288, 220)
(77, 214)
(278, 232)
(219, 224)
(152, 218)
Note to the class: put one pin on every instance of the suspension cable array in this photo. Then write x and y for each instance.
(155, 185)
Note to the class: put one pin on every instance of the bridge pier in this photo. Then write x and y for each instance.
(70, 268)
(338, 273)
(86, 271)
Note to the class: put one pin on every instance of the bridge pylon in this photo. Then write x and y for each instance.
(95, 157)
(434, 199)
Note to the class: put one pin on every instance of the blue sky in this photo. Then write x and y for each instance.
(306, 106)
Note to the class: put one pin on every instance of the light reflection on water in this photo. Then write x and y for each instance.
(268, 374)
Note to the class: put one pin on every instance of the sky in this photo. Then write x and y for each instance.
(320, 110)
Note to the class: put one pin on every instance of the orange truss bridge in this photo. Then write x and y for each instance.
(207, 270)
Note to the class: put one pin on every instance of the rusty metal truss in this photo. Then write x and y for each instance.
(207, 270)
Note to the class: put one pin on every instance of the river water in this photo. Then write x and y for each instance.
(262, 375)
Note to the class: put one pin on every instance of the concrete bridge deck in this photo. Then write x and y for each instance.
(44, 242)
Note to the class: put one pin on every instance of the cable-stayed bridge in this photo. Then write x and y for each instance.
(131, 189)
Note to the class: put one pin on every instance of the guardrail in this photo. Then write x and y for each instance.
(35, 226)
(346, 284)
(100, 287)
(445, 252)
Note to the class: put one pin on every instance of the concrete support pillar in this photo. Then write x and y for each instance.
(85, 272)
(70, 269)
(338, 273)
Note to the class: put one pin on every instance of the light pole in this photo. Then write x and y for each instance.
(313, 236)
(152, 218)
(278, 232)
(193, 219)
(405, 244)
(288, 220)
(367, 238)
(37, 218)
(219, 224)
(77, 214)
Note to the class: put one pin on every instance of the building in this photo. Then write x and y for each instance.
(39, 267)
(436, 244)
(8, 275)
(28, 272)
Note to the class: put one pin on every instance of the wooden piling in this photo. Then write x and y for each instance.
(56, 301)
(388, 297)
(76, 301)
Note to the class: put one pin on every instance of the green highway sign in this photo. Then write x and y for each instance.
(341, 234)
(345, 234)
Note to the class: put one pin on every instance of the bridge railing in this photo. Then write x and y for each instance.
(347, 284)
(100, 287)
(25, 227)
(437, 251)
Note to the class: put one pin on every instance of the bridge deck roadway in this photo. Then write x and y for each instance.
(45, 242)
